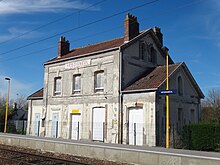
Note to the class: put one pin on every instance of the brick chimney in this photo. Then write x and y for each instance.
(131, 27)
(63, 46)
(158, 34)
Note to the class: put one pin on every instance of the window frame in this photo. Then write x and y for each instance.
(74, 90)
(152, 56)
(142, 50)
(99, 88)
(180, 85)
(55, 91)
(192, 116)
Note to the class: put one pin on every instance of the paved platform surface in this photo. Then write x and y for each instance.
(115, 152)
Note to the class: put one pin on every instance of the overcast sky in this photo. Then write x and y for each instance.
(30, 30)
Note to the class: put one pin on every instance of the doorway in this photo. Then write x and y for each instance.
(136, 126)
(75, 125)
(98, 124)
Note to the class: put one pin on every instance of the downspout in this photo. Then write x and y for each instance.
(29, 131)
(45, 96)
(120, 106)
(46, 100)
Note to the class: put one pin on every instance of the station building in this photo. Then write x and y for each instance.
(109, 91)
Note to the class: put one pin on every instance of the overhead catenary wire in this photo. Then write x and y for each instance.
(51, 47)
(89, 36)
(52, 22)
(76, 28)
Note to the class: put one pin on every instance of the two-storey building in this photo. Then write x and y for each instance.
(108, 91)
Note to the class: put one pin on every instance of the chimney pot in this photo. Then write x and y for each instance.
(158, 34)
(63, 46)
(131, 27)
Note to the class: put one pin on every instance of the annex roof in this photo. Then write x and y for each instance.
(157, 76)
(36, 95)
(153, 79)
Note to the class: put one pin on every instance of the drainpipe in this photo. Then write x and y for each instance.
(30, 125)
(120, 106)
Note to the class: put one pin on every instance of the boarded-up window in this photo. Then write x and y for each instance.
(77, 83)
(99, 81)
(57, 86)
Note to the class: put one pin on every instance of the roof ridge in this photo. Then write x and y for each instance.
(177, 63)
(96, 43)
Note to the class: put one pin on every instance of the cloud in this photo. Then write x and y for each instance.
(32, 6)
(14, 32)
(16, 87)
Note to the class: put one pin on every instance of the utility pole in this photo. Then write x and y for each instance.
(167, 102)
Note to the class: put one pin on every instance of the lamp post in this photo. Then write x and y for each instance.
(7, 104)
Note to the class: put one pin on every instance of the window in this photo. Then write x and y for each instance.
(57, 86)
(152, 55)
(142, 50)
(99, 81)
(77, 83)
(192, 116)
(180, 119)
(180, 86)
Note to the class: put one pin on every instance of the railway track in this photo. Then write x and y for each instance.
(9, 156)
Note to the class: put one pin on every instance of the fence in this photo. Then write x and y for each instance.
(15, 127)
(133, 133)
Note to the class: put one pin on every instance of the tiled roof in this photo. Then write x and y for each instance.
(36, 95)
(92, 48)
(153, 79)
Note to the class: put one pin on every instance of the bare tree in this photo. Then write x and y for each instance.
(21, 101)
(211, 106)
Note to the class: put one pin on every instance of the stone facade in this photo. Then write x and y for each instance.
(105, 92)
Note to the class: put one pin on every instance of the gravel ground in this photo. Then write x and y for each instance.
(64, 156)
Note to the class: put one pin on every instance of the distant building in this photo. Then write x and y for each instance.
(108, 91)
(17, 121)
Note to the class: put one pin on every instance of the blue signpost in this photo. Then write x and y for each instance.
(167, 92)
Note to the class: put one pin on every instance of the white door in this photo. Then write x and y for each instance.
(36, 124)
(75, 134)
(98, 124)
(54, 127)
(136, 127)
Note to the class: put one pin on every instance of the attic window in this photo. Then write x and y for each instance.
(152, 55)
(180, 86)
(142, 50)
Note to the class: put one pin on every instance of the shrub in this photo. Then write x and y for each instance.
(204, 137)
